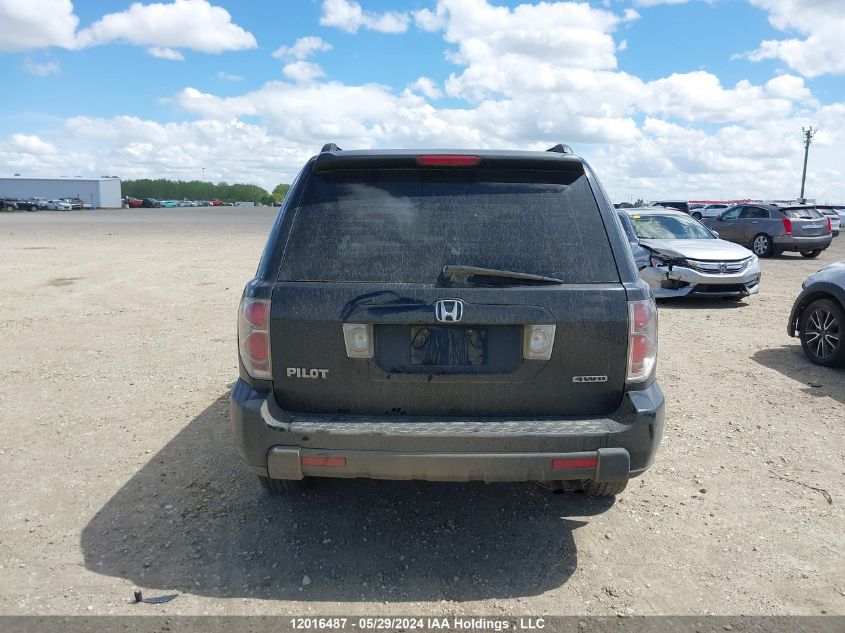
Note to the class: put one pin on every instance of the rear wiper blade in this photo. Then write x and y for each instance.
(457, 270)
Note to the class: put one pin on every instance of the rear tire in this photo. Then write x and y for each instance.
(277, 487)
(10, 207)
(603, 489)
(696, 216)
(811, 254)
(761, 245)
(820, 329)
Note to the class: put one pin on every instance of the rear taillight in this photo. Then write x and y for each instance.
(642, 339)
(254, 337)
(829, 225)
(787, 226)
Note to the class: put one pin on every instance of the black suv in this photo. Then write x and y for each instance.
(8, 204)
(450, 316)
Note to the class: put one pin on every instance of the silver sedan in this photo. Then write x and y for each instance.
(680, 257)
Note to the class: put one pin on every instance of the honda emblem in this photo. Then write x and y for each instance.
(449, 310)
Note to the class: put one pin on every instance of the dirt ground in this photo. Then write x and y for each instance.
(117, 353)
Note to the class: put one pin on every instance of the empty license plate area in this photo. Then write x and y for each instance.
(434, 349)
(448, 346)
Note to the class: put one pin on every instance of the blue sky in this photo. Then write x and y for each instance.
(621, 80)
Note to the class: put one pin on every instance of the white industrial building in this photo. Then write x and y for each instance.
(98, 192)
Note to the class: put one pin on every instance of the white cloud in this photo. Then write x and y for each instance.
(426, 87)
(530, 76)
(652, 3)
(348, 16)
(41, 70)
(32, 24)
(822, 22)
(303, 48)
(222, 74)
(699, 96)
(191, 24)
(303, 72)
(31, 144)
(166, 53)
(529, 47)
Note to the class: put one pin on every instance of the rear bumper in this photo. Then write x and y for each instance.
(792, 243)
(284, 445)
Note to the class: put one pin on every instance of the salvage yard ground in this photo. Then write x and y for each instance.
(117, 353)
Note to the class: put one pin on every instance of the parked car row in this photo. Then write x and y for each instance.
(152, 203)
(768, 228)
(679, 256)
(36, 204)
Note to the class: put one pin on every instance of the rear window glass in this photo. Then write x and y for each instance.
(404, 225)
(798, 214)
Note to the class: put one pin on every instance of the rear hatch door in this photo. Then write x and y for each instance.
(367, 247)
(806, 221)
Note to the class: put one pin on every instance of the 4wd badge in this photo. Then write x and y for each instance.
(589, 379)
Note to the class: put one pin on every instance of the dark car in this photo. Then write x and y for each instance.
(770, 229)
(28, 204)
(150, 203)
(451, 316)
(8, 204)
(680, 205)
(818, 316)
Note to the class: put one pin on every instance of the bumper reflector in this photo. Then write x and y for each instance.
(323, 460)
(569, 464)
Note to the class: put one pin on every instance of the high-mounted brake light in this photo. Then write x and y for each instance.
(787, 226)
(447, 160)
(254, 337)
(642, 339)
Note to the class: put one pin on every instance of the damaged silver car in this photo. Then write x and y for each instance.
(679, 257)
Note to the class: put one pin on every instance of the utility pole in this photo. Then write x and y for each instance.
(809, 133)
(203, 175)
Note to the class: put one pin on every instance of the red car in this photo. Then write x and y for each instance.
(217, 203)
(133, 203)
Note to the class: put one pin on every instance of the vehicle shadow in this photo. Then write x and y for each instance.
(792, 363)
(195, 521)
(701, 303)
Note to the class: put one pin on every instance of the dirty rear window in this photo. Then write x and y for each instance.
(404, 225)
(806, 213)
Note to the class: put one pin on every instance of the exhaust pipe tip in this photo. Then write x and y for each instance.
(555, 487)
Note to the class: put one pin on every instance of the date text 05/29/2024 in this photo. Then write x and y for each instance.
(453, 623)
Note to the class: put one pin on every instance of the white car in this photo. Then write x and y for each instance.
(834, 215)
(58, 205)
(678, 256)
(708, 211)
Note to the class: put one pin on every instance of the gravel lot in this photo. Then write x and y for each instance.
(117, 352)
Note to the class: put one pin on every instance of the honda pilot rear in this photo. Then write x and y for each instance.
(447, 316)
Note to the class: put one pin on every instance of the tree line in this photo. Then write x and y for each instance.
(165, 189)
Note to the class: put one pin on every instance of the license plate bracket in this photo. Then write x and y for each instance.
(452, 346)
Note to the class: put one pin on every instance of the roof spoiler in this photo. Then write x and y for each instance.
(330, 147)
(560, 148)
